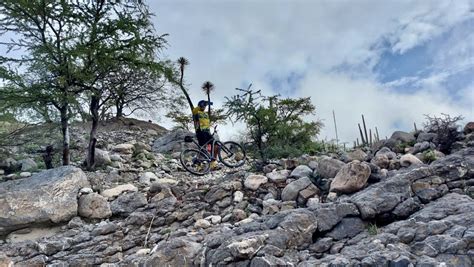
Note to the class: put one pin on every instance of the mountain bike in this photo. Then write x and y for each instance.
(198, 160)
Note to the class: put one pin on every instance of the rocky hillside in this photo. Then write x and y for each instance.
(400, 203)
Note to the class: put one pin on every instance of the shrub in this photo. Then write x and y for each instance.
(446, 130)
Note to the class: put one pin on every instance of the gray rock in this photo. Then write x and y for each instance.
(347, 228)
(381, 161)
(290, 192)
(329, 167)
(357, 154)
(148, 178)
(172, 142)
(94, 206)
(386, 195)
(123, 148)
(422, 146)
(269, 168)
(10, 165)
(127, 203)
(409, 159)
(254, 181)
(301, 171)
(387, 152)
(403, 137)
(278, 176)
(102, 158)
(351, 177)
(49, 196)
(426, 137)
(28, 165)
(330, 214)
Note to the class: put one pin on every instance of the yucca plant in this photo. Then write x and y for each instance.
(208, 87)
(183, 62)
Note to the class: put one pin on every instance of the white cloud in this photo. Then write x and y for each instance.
(234, 42)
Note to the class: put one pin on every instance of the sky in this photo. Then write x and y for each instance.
(393, 61)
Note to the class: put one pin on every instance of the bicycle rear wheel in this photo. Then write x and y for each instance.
(232, 154)
(195, 161)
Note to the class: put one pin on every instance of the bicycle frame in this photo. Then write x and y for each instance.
(203, 148)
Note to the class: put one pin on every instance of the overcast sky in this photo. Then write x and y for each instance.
(392, 61)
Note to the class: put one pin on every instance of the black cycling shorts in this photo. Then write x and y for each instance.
(203, 137)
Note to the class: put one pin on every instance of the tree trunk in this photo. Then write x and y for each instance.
(119, 107)
(90, 162)
(65, 132)
(209, 105)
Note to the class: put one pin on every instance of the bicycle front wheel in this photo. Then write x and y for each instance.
(195, 161)
(232, 154)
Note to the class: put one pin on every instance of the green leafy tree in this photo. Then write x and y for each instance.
(72, 49)
(276, 126)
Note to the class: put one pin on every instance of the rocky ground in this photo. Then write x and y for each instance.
(398, 203)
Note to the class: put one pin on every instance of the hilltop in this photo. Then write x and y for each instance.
(400, 202)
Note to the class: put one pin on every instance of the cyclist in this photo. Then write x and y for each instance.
(202, 125)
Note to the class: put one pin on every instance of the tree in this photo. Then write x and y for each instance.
(184, 120)
(208, 87)
(45, 33)
(72, 48)
(275, 125)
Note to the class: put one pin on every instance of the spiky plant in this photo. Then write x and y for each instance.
(183, 62)
(208, 87)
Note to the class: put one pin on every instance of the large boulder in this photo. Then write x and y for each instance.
(351, 177)
(329, 167)
(172, 142)
(46, 197)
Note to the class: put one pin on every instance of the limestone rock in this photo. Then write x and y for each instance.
(329, 167)
(94, 206)
(101, 158)
(409, 159)
(290, 192)
(351, 177)
(278, 176)
(254, 181)
(28, 165)
(403, 136)
(123, 148)
(49, 196)
(301, 171)
(116, 191)
(127, 203)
